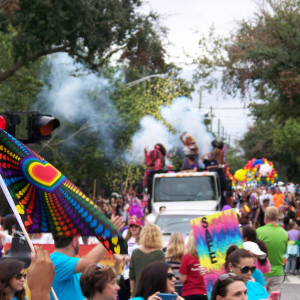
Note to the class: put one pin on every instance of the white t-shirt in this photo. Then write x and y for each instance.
(46, 238)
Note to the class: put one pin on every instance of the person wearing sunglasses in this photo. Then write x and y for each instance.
(99, 283)
(229, 287)
(241, 263)
(156, 278)
(12, 279)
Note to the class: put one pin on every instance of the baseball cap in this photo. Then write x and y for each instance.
(135, 221)
(254, 248)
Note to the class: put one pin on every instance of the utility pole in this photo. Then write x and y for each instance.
(211, 119)
(219, 127)
(200, 99)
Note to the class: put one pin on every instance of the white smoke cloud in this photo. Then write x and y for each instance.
(78, 96)
(182, 116)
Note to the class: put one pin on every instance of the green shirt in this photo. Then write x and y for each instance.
(276, 239)
(139, 260)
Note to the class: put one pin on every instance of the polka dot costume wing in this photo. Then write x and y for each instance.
(47, 201)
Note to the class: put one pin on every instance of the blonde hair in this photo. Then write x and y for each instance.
(176, 248)
(151, 237)
(192, 248)
(272, 213)
(188, 136)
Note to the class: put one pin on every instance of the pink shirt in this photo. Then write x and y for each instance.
(264, 269)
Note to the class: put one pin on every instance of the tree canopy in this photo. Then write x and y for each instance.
(90, 31)
(261, 59)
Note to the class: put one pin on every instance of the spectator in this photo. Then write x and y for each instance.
(257, 253)
(132, 236)
(292, 250)
(9, 225)
(241, 263)
(68, 267)
(12, 279)
(190, 273)
(175, 251)
(276, 240)
(261, 212)
(162, 208)
(249, 234)
(106, 210)
(99, 282)
(278, 198)
(149, 251)
(229, 287)
(156, 278)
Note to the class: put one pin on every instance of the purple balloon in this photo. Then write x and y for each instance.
(226, 207)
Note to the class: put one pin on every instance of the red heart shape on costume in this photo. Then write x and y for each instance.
(42, 174)
(45, 173)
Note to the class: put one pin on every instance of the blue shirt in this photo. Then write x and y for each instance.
(256, 291)
(259, 277)
(66, 283)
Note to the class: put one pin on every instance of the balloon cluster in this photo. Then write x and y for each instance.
(254, 170)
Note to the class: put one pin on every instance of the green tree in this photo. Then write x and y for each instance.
(80, 152)
(90, 31)
(261, 58)
(18, 92)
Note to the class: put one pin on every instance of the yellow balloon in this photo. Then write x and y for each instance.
(240, 175)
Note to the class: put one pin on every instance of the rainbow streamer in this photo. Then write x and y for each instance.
(213, 235)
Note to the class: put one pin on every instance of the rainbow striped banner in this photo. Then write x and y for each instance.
(213, 235)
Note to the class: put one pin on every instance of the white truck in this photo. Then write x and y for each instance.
(185, 191)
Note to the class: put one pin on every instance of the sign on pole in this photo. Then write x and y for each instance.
(213, 235)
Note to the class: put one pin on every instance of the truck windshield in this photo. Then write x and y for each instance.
(194, 188)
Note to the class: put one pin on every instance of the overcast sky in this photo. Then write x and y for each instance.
(187, 20)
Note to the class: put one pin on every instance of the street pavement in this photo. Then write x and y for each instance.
(291, 288)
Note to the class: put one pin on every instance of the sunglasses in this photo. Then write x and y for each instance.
(19, 276)
(226, 276)
(170, 275)
(246, 269)
(132, 225)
